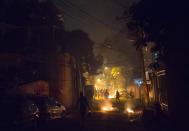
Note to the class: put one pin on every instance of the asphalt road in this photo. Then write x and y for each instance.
(97, 121)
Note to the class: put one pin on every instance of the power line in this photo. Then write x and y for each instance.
(74, 18)
(68, 8)
(88, 14)
(119, 3)
(75, 6)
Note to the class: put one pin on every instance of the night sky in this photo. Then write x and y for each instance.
(96, 17)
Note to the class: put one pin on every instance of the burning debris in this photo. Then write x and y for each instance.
(107, 106)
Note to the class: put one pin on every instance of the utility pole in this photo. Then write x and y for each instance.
(145, 88)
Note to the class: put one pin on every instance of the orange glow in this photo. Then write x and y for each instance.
(129, 110)
(107, 106)
(110, 80)
(111, 96)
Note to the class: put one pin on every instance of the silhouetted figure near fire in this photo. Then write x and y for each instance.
(117, 96)
(106, 94)
(83, 106)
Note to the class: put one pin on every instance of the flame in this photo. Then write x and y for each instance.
(111, 96)
(129, 110)
(107, 108)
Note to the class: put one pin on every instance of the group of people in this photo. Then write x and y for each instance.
(102, 93)
(105, 94)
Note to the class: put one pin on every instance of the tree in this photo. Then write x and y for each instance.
(155, 21)
(164, 22)
(79, 44)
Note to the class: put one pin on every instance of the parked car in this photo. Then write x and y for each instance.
(18, 112)
(49, 108)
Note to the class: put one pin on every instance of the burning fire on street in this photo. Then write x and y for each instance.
(129, 110)
(106, 106)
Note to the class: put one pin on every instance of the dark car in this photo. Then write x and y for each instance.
(18, 112)
(49, 108)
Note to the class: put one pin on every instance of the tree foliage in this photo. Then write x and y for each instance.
(161, 22)
(154, 21)
(79, 44)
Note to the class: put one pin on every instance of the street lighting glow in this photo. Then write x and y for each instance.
(98, 80)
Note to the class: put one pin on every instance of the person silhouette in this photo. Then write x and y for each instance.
(83, 106)
(117, 96)
(106, 94)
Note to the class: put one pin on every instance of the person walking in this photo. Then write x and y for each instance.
(83, 106)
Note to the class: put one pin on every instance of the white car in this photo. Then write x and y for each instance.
(55, 109)
(49, 108)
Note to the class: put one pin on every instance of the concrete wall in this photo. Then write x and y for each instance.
(65, 80)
